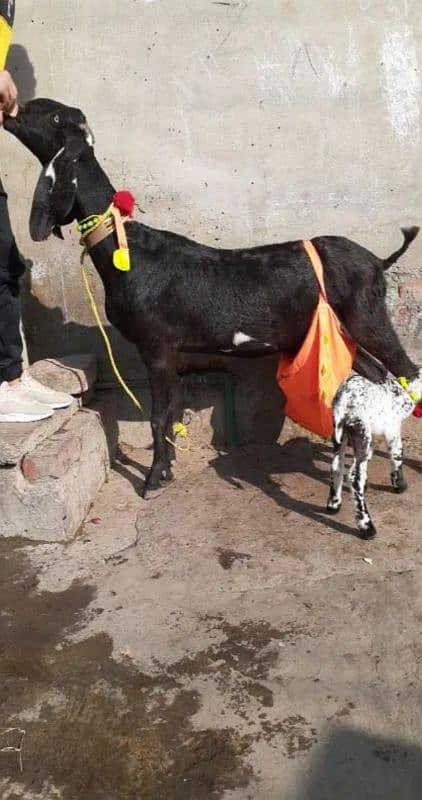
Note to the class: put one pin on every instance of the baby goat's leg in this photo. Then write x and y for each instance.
(395, 447)
(361, 443)
(337, 472)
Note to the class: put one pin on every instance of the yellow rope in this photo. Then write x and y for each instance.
(104, 334)
(179, 429)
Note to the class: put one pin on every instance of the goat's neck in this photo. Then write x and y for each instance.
(94, 191)
(93, 196)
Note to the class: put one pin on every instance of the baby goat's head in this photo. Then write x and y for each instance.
(59, 136)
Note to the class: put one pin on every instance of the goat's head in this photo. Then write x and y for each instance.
(59, 136)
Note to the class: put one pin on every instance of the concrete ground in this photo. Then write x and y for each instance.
(241, 648)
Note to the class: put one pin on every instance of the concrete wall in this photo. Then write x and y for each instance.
(236, 123)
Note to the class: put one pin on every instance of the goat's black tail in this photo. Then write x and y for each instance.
(409, 234)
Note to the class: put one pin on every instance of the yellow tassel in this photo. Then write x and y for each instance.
(121, 259)
(179, 429)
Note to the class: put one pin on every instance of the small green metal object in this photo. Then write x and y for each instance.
(220, 379)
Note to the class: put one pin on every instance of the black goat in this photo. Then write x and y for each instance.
(185, 296)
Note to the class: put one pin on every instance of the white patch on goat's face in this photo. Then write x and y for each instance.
(75, 182)
(50, 171)
(241, 338)
(89, 136)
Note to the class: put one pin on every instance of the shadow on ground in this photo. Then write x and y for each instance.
(354, 765)
(265, 467)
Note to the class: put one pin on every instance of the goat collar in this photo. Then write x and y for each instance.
(97, 227)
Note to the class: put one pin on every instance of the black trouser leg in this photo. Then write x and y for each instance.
(11, 268)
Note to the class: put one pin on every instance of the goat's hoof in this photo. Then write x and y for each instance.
(369, 532)
(333, 509)
(156, 480)
(166, 475)
(399, 488)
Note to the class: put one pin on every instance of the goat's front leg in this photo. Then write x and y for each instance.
(161, 377)
(174, 409)
(395, 447)
(337, 474)
(358, 479)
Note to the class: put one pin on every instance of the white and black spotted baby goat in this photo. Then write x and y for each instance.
(182, 296)
(362, 410)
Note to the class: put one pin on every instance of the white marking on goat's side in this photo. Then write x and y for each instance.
(50, 171)
(241, 338)
(402, 84)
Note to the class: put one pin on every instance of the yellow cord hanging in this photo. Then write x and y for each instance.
(179, 429)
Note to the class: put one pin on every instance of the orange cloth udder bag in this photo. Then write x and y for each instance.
(311, 378)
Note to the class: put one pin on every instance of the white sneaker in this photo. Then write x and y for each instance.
(43, 394)
(16, 406)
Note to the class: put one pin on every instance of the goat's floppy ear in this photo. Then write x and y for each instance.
(54, 196)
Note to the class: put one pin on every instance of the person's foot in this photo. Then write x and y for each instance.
(17, 406)
(43, 394)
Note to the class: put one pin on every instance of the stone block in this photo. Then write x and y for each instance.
(47, 496)
(19, 438)
(74, 374)
(53, 457)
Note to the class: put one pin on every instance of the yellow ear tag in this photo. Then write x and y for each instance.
(121, 259)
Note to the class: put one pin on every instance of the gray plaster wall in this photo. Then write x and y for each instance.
(236, 123)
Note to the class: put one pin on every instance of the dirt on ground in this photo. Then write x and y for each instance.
(223, 640)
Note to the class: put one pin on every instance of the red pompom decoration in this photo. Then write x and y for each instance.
(418, 410)
(125, 202)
